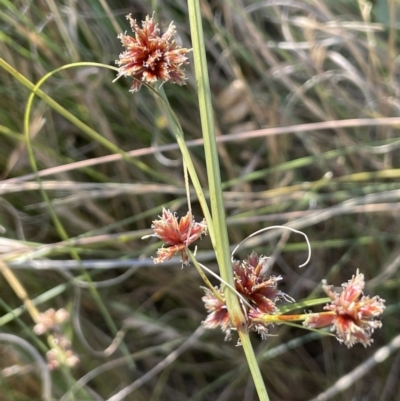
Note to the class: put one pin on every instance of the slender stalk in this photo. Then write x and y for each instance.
(178, 132)
(213, 173)
(290, 318)
(217, 206)
(253, 365)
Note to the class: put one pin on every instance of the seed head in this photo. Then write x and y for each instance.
(258, 296)
(354, 317)
(150, 56)
(261, 292)
(179, 235)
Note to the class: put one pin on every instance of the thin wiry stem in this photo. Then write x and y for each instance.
(273, 228)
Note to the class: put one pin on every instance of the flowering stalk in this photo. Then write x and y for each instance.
(213, 170)
(154, 59)
(221, 244)
(246, 299)
(149, 58)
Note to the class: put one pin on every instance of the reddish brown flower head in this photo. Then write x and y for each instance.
(353, 317)
(258, 296)
(261, 292)
(150, 57)
(179, 235)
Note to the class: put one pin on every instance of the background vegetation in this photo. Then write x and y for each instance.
(271, 64)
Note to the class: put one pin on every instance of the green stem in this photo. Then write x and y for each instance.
(253, 365)
(178, 133)
(221, 245)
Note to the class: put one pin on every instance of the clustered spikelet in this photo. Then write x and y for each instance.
(61, 352)
(258, 292)
(351, 315)
(177, 234)
(50, 319)
(149, 56)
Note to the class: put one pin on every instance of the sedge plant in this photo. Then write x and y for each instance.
(247, 298)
